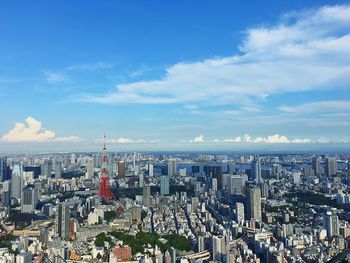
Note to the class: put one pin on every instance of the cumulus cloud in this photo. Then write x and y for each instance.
(276, 138)
(198, 139)
(33, 131)
(313, 45)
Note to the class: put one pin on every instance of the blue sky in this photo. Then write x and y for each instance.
(186, 75)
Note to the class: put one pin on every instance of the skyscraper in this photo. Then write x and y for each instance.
(256, 170)
(331, 224)
(239, 207)
(331, 166)
(17, 181)
(141, 180)
(150, 170)
(46, 169)
(219, 248)
(147, 195)
(62, 220)
(3, 168)
(164, 185)
(171, 168)
(254, 202)
(90, 167)
(235, 184)
(316, 165)
(121, 169)
(29, 199)
(58, 169)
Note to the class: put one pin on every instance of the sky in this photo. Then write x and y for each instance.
(174, 75)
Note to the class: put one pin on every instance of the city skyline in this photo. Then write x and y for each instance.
(184, 76)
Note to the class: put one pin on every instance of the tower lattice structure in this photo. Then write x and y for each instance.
(104, 190)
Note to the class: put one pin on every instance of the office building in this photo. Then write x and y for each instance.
(17, 181)
(121, 169)
(171, 168)
(200, 243)
(150, 170)
(331, 166)
(316, 165)
(29, 200)
(254, 203)
(58, 169)
(239, 208)
(141, 180)
(46, 169)
(219, 248)
(146, 195)
(331, 224)
(164, 185)
(3, 168)
(62, 220)
(256, 170)
(235, 184)
(214, 184)
(90, 168)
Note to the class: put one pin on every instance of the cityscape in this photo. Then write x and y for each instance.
(174, 207)
(188, 131)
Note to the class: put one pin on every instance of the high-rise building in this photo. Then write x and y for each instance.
(331, 166)
(200, 243)
(171, 168)
(24, 257)
(121, 169)
(254, 202)
(58, 169)
(214, 184)
(316, 165)
(90, 167)
(150, 170)
(239, 207)
(141, 180)
(17, 181)
(3, 168)
(62, 220)
(164, 185)
(46, 169)
(331, 224)
(29, 199)
(146, 195)
(256, 170)
(235, 184)
(219, 248)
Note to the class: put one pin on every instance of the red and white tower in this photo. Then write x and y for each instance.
(104, 190)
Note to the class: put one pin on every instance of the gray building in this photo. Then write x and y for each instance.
(29, 199)
(62, 220)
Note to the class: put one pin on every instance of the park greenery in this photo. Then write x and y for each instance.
(141, 240)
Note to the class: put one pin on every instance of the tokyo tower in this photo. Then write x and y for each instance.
(104, 190)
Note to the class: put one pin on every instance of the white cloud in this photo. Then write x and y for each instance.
(55, 77)
(276, 138)
(318, 106)
(236, 139)
(91, 66)
(32, 131)
(305, 51)
(198, 139)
